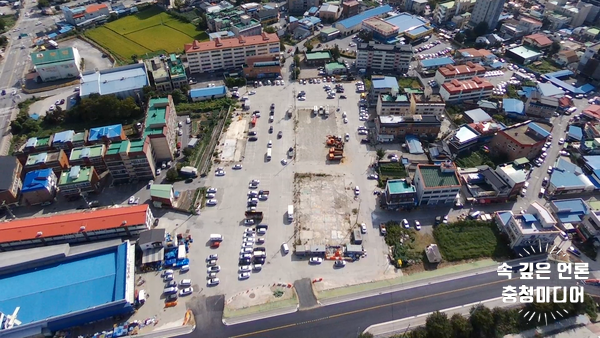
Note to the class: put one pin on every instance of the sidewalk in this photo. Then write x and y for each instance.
(258, 315)
(402, 325)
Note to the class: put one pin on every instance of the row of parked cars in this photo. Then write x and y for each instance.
(173, 289)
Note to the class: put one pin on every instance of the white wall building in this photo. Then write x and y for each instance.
(436, 184)
(373, 56)
(535, 227)
(57, 64)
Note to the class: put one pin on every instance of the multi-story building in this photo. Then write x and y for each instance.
(265, 14)
(68, 139)
(436, 184)
(534, 228)
(57, 161)
(485, 185)
(161, 126)
(57, 64)
(415, 6)
(431, 104)
(392, 128)
(524, 139)
(130, 163)
(92, 156)
(382, 85)
(541, 106)
(590, 225)
(301, 6)
(446, 11)
(84, 16)
(229, 53)
(399, 194)
(177, 71)
(106, 134)
(158, 74)
(459, 72)
(259, 67)
(392, 58)
(39, 187)
(382, 30)
(474, 55)
(466, 90)
(529, 25)
(393, 104)
(577, 14)
(350, 8)
(10, 180)
(487, 11)
(78, 180)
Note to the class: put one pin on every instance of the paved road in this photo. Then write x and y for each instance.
(346, 319)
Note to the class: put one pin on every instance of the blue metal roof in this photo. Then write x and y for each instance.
(592, 161)
(560, 73)
(63, 136)
(575, 133)
(81, 283)
(358, 19)
(208, 91)
(513, 106)
(565, 165)
(565, 179)
(571, 210)
(414, 145)
(107, 131)
(548, 89)
(418, 30)
(554, 78)
(529, 218)
(595, 181)
(536, 128)
(407, 22)
(313, 10)
(526, 91)
(386, 82)
(437, 62)
(36, 180)
(505, 216)
(114, 80)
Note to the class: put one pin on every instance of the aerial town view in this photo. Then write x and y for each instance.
(300, 169)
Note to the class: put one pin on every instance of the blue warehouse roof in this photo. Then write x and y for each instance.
(437, 62)
(106, 131)
(208, 91)
(386, 82)
(536, 128)
(358, 19)
(513, 106)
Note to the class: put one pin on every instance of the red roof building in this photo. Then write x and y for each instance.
(592, 112)
(466, 90)
(460, 72)
(538, 40)
(76, 227)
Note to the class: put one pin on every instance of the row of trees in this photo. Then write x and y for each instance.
(98, 108)
(484, 322)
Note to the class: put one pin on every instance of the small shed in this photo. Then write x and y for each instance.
(154, 238)
(433, 253)
(162, 195)
(357, 236)
(318, 250)
(302, 250)
(354, 249)
(192, 143)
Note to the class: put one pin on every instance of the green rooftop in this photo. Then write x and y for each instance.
(79, 137)
(42, 141)
(399, 187)
(397, 98)
(36, 159)
(412, 91)
(118, 148)
(157, 110)
(52, 56)
(433, 177)
(83, 152)
(449, 4)
(176, 66)
(161, 190)
(136, 146)
(332, 66)
(312, 56)
(330, 30)
(76, 175)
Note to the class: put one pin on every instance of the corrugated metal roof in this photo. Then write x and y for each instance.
(208, 91)
(52, 56)
(358, 19)
(115, 80)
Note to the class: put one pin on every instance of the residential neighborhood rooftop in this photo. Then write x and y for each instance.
(434, 177)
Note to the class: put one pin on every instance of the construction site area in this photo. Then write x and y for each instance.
(324, 219)
(336, 148)
(313, 132)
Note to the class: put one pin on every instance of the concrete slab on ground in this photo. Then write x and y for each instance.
(306, 296)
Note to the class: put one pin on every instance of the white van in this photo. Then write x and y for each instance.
(268, 154)
(216, 238)
(184, 268)
(290, 213)
(475, 214)
(142, 296)
(285, 248)
(315, 110)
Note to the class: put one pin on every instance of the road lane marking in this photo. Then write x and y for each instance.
(370, 308)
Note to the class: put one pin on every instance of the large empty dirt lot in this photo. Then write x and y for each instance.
(323, 213)
(312, 132)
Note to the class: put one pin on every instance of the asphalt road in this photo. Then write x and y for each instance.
(346, 319)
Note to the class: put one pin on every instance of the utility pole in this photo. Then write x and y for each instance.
(294, 98)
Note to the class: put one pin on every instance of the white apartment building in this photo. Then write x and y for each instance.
(432, 104)
(436, 184)
(536, 226)
(446, 11)
(466, 90)
(229, 53)
(590, 224)
(373, 56)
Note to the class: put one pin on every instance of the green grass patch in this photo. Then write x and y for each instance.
(407, 245)
(409, 82)
(133, 23)
(474, 159)
(9, 22)
(160, 37)
(543, 66)
(187, 29)
(116, 44)
(144, 34)
(469, 240)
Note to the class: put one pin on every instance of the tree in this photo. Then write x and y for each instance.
(461, 328)
(380, 153)
(365, 36)
(555, 48)
(482, 321)
(335, 52)
(134, 57)
(296, 60)
(365, 335)
(459, 37)
(178, 96)
(43, 3)
(296, 72)
(2, 24)
(172, 175)
(438, 326)
(270, 29)
(187, 152)
(481, 29)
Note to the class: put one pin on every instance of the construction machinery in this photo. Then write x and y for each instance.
(336, 148)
